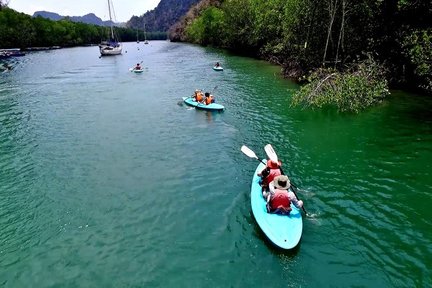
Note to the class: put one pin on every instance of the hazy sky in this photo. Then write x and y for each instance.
(124, 9)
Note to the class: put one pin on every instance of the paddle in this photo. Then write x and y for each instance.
(250, 153)
(273, 157)
(214, 89)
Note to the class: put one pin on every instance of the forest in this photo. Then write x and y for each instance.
(19, 30)
(327, 43)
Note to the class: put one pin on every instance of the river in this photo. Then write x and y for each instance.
(108, 180)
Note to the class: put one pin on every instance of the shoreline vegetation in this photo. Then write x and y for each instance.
(19, 30)
(332, 47)
(347, 53)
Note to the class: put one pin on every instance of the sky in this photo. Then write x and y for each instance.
(124, 9)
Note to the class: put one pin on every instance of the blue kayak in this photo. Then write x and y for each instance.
(213, 106)
(218, 68)
(282, 230)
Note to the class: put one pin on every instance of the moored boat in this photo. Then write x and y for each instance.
(198, 105)
(284, 231)
(112, 46)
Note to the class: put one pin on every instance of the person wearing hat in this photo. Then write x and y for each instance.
(279, 198)
(267, 175)
(198, 96)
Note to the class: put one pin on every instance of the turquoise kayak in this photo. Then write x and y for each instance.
(282, 230)
(213, 106)
(218, 68)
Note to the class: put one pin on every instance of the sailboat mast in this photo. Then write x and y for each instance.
(111, 23)
(145, 34)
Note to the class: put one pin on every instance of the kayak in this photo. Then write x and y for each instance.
(218, 68)
(284, 231)
(136, 70)
(213, 106)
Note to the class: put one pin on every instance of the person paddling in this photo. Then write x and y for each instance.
(209, 98)
(198, 96)
(138, 66)
(279, 198)
(269, 173)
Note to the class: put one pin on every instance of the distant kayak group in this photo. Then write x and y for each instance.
(199, 100)
(205, 101)
(275, 205)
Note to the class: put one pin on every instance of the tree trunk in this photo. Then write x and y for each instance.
(341, 31)
(332, 12)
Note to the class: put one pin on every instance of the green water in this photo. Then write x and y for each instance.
(108, 180)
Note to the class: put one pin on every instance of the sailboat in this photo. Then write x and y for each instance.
(145, 36)
(137, 36)
(111, 46)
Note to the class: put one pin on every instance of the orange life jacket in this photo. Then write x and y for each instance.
(208, 100)
(280, 202)
(199, 97)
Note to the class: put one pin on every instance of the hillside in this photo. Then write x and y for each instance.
(163, 16)
(87, 19)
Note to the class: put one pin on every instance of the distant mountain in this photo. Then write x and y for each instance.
(88, 18)
(48, 15)
(163, 16)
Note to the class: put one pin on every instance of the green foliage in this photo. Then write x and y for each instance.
(361, 86)
(418, 47)
(207, 28)
(18, 30)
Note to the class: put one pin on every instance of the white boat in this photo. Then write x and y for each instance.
(111, 46)
(145, 36)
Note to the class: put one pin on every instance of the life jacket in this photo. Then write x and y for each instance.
(273, 174)
(280, 202)
(273, 171)
(199, 97)
(209, 100)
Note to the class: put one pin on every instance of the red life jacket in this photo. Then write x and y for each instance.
(280, 201)
(274, 172)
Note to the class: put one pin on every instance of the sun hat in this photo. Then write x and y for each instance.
(282, 182)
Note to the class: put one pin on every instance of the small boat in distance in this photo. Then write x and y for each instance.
(111, 46)
(217, 67)
(145, 36)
